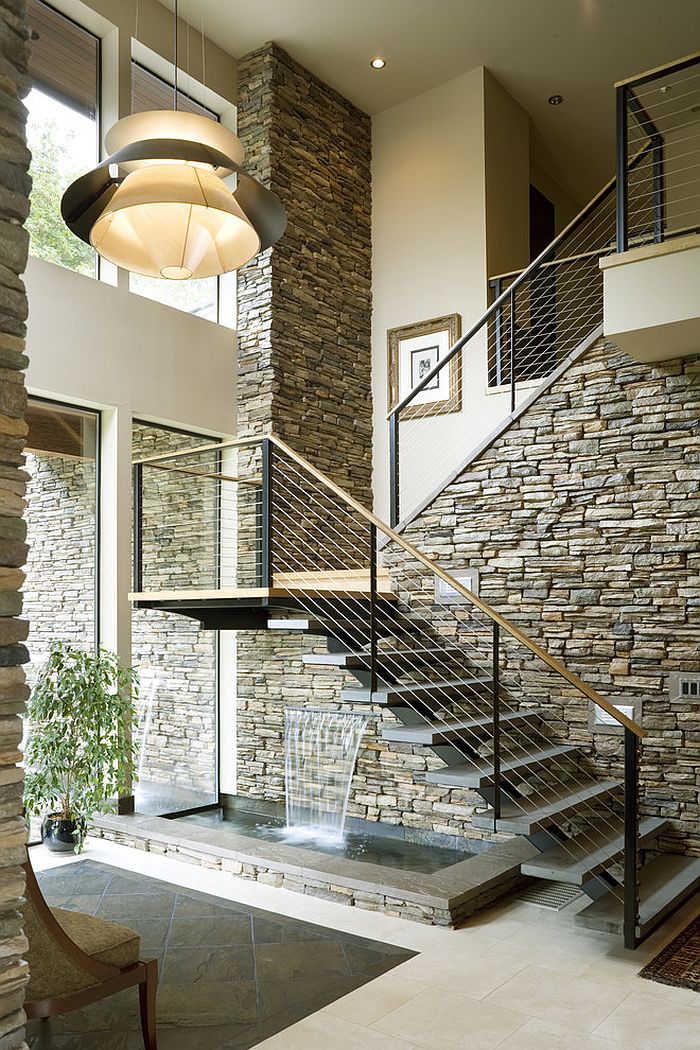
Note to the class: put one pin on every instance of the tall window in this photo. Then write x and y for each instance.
(60, 596)
(177, 662)
(62, 129)
(195, 297)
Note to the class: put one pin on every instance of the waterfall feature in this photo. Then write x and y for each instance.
(320, 752)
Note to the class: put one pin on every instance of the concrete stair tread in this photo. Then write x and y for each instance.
(479, 772)
(453, 729)
(528, 815)
(393, 660)
(664, 884)
(406, 695)
(591, 852)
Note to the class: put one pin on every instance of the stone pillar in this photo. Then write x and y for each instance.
(304, 307)
(14, 193)
(304, 328)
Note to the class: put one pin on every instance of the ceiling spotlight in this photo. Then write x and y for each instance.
(377, 63)
(555, 100)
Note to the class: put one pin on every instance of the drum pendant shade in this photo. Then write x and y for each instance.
(159, 206)
(174, 221)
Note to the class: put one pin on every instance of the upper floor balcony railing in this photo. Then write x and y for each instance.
(540, 316)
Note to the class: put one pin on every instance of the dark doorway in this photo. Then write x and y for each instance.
(542, 226)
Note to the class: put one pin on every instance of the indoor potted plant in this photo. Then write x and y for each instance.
(80, 745)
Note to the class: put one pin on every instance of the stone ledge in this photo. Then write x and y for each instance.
(443, 898)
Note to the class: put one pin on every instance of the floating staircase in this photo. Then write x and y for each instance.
(577, 846)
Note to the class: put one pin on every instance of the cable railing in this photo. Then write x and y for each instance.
(541, 315)
(659, 198)
(491, 697)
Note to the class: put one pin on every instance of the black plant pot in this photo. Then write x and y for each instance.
(58, 835)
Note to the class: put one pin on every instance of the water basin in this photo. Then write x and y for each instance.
(388, 851)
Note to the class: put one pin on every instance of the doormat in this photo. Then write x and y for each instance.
(678, 963)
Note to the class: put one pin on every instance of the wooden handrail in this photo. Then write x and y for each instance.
(211, 447)
(658, 71)
(493, 615)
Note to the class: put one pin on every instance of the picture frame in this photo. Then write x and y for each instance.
(412, 351)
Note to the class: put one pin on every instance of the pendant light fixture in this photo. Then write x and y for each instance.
(158, 205)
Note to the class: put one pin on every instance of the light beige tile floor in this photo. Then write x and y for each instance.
(516, 977)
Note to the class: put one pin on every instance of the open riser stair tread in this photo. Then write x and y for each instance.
(450, 729)
(479, 773)
(590, 853)
(664, 884)
(528, 814)
(424, 693)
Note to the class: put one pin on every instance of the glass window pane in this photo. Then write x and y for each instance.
(60, 593)
(194, 297)
(61, 130)
(177, 663)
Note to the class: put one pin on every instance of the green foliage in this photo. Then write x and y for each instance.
(80, 749)
(50, 237)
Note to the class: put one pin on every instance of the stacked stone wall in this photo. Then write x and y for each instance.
(14, 206)
(304, 357)
(59, 595)
(582, 520)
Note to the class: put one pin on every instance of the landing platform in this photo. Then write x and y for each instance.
(251, 607)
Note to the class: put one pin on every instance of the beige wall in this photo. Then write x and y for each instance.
(450, 185)
(507, 157)
(429, 226)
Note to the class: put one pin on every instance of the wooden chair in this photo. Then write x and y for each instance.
(76, 959)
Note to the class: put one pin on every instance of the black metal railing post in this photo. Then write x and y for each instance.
(496, 709)
(394, 496)
(138, 527)
(373, 608)
(498, 323)
(631, 884)
(266, 515)
(622, 211)
(512, 349)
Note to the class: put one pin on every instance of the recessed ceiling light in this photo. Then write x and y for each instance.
(377, 63)
(555, 100)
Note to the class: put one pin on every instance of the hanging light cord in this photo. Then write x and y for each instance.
(175, 63)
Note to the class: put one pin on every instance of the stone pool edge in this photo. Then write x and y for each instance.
(444, 898)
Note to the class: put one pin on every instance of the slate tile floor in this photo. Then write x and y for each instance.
(230, 975)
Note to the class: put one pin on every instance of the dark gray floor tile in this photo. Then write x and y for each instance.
(209, 1003)
(131, 906)
(211, 930)
(205, 965)
(186, 905)
(78, 902)
(217, 991)
(279, 961)
(269, 931)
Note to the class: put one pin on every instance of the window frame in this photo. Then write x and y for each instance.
(99, 100)
(172, 429)
(56, 403)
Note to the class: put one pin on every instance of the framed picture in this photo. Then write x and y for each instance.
(413, 352)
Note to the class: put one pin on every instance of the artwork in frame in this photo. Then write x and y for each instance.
(413, 352)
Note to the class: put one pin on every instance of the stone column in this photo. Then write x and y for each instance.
(304, 307)
(304, 329)
(14, 193)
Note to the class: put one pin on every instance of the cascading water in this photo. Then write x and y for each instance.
(320, 752)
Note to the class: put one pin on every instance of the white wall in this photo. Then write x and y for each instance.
(428, 235)
(90, 342)
(450, 207)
